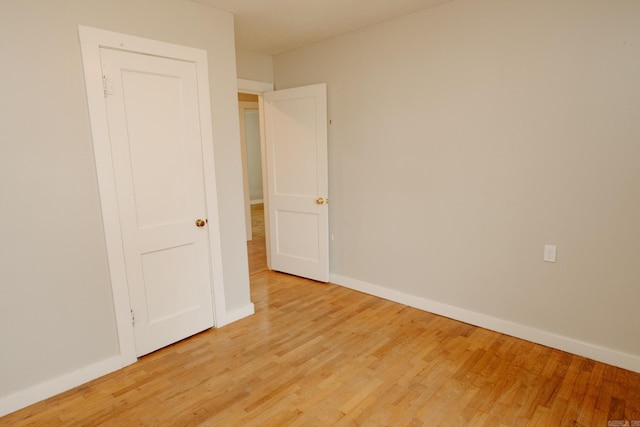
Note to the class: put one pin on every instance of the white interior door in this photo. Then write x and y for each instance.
(297, 180)
(153, 117)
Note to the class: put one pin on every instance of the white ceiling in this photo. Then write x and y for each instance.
(275, 26)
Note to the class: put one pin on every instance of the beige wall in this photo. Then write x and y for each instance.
(56, 309)
(254, 66)
(467, 136)
(254, 155)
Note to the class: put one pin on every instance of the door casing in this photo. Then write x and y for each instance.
(92, 40)
(243, 107)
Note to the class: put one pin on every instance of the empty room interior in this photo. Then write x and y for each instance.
(437, 222)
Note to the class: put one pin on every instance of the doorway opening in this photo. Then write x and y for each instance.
(293, 142)
(249, 115)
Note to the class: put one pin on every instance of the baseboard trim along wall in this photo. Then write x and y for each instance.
(591, 351)
(57, 385)
(62, 383)
(81, 376)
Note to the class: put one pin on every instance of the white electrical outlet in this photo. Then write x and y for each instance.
(550, 253)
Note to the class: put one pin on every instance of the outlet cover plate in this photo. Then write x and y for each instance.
(550, 253)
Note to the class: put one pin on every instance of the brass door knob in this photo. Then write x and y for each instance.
(200, 222)
(319, 201)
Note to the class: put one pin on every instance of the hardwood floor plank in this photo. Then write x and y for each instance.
(256, 248)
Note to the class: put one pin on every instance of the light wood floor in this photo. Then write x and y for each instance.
(256, 247)
(323, 355)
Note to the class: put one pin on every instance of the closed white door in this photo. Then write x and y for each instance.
(297, 180)
(156, 147)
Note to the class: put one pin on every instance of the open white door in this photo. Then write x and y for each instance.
(295, 125)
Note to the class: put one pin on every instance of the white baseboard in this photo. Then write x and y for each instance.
(57, 385)
(592, 351)
(256, 202)
(49, 388)
(239, 313)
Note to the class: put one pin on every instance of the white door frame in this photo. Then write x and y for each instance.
(92, 39)
(258, 88)
(243, 107)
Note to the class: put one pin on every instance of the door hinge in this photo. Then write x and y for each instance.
(133, 319)
(107, 87)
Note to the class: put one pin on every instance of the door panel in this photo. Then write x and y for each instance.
(295, 147)
(161, 269)
(297, 179)
(291, 242)
(153, 114)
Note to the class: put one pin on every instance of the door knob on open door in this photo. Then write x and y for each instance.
(320, 201)
(200, 222)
